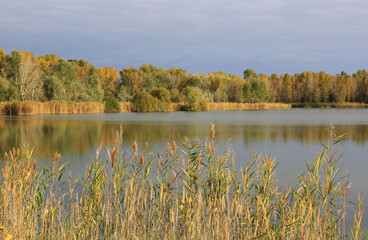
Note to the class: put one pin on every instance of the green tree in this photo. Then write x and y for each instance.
(93, 87)
(249, 73)
(123, 94)
(53, 88)
(255, 90)
(2, 63)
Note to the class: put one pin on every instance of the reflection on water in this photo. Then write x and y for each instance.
(78, 137)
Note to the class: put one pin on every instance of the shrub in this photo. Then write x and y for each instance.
(204, 105)
(111, 105)
(195, 100)
(144, 102)
(191, 98)
(163, 97)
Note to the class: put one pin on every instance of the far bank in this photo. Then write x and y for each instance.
(63, 107)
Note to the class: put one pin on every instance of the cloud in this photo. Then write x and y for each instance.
(202, 35)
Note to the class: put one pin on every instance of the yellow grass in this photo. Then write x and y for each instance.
(125, 107)
(31, 108)
(248, 106)
(58, 107)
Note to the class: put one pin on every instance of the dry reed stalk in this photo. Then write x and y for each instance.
(193, 194)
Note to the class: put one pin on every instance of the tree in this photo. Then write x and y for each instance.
(93, 87)
(255, 90)
(132, 79)
(109, 79)
(29, 78)
(3, 88)
(286, 90)
(2, 62)
(249, 73)
(235, 88)
(53, 88)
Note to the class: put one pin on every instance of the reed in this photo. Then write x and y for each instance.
(330, 105)
(187, 192)
(125, 107)
(52, 107)
(248, 106)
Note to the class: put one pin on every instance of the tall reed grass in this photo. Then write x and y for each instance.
(248, 106)
(330, 105)
(52, 107)
(191, 191)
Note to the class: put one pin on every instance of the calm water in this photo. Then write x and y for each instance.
(292, 136)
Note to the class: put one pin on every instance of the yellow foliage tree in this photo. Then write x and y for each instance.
(109, 79)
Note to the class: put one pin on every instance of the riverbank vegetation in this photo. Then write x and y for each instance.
(190, 191)
(25, 77)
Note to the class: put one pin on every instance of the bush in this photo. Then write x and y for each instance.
(144, 102)
(191, 98)
(163, 97)
(204, 105)
(111, 105)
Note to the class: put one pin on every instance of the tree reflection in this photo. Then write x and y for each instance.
(78, 137)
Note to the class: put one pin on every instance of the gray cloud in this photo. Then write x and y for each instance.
(201, 36)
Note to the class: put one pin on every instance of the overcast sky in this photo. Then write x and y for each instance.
(201, 36)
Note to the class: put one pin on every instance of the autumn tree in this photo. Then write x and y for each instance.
(235, 89)
(109, 80)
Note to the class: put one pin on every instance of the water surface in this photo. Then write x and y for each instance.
(293, 136)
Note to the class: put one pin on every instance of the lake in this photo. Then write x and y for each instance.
(293, 136)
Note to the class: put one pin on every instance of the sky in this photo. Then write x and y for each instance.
(201, 36)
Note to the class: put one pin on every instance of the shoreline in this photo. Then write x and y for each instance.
(64, 107)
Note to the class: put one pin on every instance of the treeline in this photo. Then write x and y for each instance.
(25, 77)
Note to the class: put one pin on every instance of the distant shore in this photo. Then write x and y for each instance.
(330, 105)
(63, 107)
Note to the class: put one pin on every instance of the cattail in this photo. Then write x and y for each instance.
(104, 172)
(169, 150)
(18, 152)
(255, 155)
(142, 160)
(174, 146)
(146, 145)
(34, 167)
(213, 131)
(108, 155)
(6, 156)
(200, 156)
(159, 160)
(4, 173)
(233, 158)
(113, 157)
(135, 148)
(57, 157)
